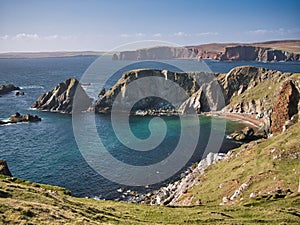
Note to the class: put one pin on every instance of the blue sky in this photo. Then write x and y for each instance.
(102, 25)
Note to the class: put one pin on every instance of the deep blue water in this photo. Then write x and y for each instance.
(47, 152)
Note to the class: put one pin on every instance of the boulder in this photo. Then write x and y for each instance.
(247, 134)
(6, 88)
(17, 93)
(61, 98)
(4, 168)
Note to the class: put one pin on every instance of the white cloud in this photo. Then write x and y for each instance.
(4, 37)
(24, 36)
(52, 37)
(125, 35)
(279, 31)
(157, 35)
(181, 34)
(140, 35)
(135, 35)
(207, 34)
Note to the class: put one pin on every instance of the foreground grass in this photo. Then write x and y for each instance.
(270, 164)
(23, 202)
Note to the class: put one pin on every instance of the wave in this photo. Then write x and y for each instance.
(32, 87)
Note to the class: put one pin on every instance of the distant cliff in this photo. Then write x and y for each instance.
(252, 53)
(164, 52)
(265, 51)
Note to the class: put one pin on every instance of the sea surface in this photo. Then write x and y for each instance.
(47, 151)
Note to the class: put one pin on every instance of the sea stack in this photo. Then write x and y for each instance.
(61, 98)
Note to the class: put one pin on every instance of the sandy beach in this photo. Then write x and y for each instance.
(250, 120)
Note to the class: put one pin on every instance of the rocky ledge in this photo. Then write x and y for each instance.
(18, 118)
(61, 98)
(7, 88)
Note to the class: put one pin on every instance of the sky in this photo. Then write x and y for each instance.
(65, 25)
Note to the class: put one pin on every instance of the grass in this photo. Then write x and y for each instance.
(23, 202)
(263, 90)
(269, 165)
(34, 205)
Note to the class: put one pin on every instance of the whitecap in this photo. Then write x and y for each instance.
(32, 87)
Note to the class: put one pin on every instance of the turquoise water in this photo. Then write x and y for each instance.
(47, 152)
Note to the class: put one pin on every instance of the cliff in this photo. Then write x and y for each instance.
(61, 98)
(244, 89)
(265, 51)
(164, 52)
(252, 53)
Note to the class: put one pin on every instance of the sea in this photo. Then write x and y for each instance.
(47, 151)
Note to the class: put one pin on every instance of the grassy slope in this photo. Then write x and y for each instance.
(23, 201)
(269, 164)
(265, 89)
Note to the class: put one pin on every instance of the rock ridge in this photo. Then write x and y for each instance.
(61, 98)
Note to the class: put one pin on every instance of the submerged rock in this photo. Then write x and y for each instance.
(6, 88)
(61, 98)
(4, 168)
(17, 93)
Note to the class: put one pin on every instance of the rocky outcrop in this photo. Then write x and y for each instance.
(149, 104)
(245, 135)
(4, 168)
(285, 106)
(18, 118)
(245, 89)
(253, 53)
(6, 88)
(169, 195)
(61, 98)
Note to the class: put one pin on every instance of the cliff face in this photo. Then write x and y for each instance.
(244, 89)
(157, 53)
(252, 53)
(61, 98)
(184, 80)
(286, 105)
(265, 51)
